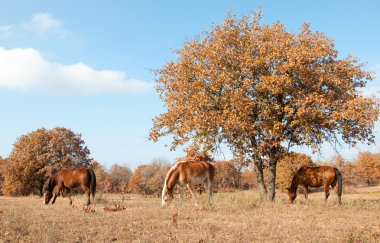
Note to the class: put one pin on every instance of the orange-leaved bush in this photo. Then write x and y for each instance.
(38, 155)
(288, 165)
(369, 167)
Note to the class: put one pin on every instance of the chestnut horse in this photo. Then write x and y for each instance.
(188, 174)
(71, 178)
(318, 176)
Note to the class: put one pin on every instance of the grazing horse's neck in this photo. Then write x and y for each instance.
(51, 184)
(294, 185)
(172, 178)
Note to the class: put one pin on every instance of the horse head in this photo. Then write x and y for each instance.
(291, 194)
(167, 195)
(170, 181)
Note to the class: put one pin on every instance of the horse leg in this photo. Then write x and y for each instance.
(55, 197)
(56, 193)
(180, 190)
(207, 185)
(305, 190)
(87, 192)
(68, 191)
(326, 189)
(192, 194)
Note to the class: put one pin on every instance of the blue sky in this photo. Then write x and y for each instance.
(86, 65)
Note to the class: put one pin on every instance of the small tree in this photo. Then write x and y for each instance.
(101, 176)
(288, 165)
(120, 176)
(352, 175)
(261, 90)
(248, 179)
(156, 182)
(227, 177)
(38, 155)
(369, 166)
(136, 182)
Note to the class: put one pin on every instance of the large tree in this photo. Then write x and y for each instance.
(261, 90)
(39, 154)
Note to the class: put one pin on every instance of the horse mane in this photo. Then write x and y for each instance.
(170, 173)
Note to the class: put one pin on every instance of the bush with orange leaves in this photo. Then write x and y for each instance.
(149, 178)
(369, 166)
(248, 179)
(227, 177)
(38, 155)
(288, 165)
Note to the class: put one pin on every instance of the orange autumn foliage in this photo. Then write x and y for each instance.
(38, 155)
(261, 90)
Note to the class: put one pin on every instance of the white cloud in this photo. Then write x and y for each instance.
(26, 69)
(45, 24)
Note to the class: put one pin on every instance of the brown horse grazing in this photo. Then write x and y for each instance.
(188, 174)
(71, 178)
(325, 176)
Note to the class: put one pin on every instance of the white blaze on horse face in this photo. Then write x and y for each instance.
(165, 196)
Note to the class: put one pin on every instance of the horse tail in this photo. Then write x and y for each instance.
(212, 172)
(340, 182)
(92, 182)
(211, 178)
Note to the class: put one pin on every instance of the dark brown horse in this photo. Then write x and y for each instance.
(66, 179)
(318, 176)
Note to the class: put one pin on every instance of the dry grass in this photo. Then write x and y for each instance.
(234, 217)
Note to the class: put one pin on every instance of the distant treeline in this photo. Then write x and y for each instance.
(230, 175)
(36, 156)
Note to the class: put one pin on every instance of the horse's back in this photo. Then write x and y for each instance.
(200, 170)
(73, 178)
(196, 168)
(316, 169)
(316, 176)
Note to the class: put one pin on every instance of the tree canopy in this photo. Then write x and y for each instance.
(38, 155)
(261, 90)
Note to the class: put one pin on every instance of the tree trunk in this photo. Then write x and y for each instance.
(272, 181)
(260, 179)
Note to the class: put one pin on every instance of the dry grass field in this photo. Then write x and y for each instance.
(234, 217)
